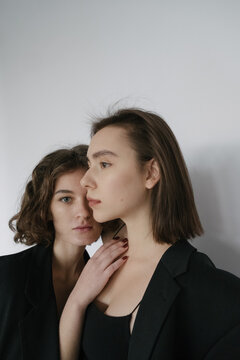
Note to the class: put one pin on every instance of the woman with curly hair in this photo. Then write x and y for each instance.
(34, 284)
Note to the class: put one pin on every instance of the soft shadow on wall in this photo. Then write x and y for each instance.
(215, 177)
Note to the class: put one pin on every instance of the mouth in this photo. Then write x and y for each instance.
(93, 202)
(83, 229)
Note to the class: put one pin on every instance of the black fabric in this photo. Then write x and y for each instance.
(190, 311)
(105, 337)
(112, 331)
(28, 311)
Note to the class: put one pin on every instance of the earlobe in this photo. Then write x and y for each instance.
(153, 174)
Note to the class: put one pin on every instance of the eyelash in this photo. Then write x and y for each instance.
(65, 197)
(103, 163)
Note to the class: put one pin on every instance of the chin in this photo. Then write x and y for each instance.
(83, 243)
(100, 218)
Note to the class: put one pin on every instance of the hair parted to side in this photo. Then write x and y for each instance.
(174, 213)
(32, 224)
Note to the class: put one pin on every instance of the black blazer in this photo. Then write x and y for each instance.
(28, 311)
(190, 310)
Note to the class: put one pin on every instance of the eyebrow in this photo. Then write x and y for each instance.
(63, 192)
(102, 153)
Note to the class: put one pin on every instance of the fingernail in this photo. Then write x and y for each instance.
(125, 240)
(116, 237)
(125, 245)
(125, 257)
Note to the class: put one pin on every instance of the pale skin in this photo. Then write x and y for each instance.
(117, 187)
(75, 228)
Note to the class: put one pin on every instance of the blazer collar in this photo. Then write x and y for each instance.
(39, 285)
(176, 258)
(39, 328)
(158, 300)
(39, 279)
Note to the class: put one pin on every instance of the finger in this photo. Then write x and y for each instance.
(115, 266)
(104, 247)
(111, 255)
(110, 245)
(108, 257)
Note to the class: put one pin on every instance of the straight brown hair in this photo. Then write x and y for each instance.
(173, 209)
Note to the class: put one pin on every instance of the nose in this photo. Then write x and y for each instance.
(82, 209)
(87, 180)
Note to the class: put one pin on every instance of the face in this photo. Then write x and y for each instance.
(72, 217)
(115, 183)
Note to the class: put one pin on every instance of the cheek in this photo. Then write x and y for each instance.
(118, 184)
(58, 214)
(123, 192)
(124, 187)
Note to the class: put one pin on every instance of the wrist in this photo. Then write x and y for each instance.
(77, 302)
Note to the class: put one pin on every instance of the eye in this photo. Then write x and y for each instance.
(66, 199)
(104, 164)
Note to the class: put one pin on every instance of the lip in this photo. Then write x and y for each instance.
(83, 228)
(93, 202)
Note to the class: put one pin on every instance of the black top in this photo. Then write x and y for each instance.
(190, 311)
(109, 334)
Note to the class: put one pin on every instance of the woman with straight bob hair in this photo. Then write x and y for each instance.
(55, 216)
(168, 301)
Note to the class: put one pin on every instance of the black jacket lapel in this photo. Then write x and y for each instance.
(154, 308)
(39, 328)
(158, 300)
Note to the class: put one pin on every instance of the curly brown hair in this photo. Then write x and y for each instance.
(32, 224)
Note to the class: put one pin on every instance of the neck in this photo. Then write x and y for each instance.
(67, 259)
(142, 244)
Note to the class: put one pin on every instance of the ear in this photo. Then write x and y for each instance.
(152, 174)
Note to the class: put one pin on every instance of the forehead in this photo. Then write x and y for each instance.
(110, 138)
(71, 177)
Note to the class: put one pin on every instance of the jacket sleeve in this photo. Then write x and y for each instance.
(228, 347)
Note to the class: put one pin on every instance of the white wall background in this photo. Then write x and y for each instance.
(63, 61)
